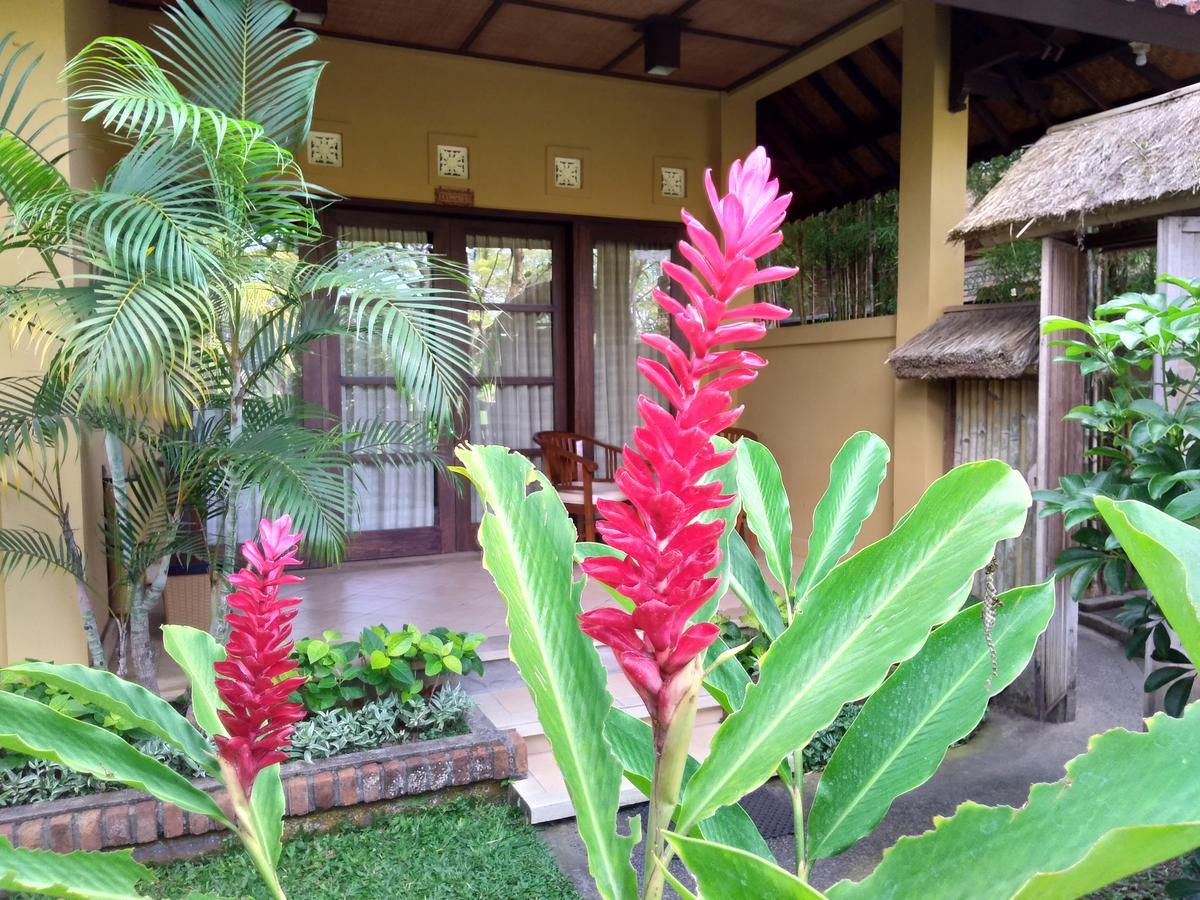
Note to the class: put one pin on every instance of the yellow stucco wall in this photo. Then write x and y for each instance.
(821, 385)
(39, 615)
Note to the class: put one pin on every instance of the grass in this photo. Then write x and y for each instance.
(464, 848)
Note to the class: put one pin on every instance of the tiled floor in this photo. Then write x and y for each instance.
(453, 590)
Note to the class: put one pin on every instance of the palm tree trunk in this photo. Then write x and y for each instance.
(221, 589)
(141, 648)
(83, 596)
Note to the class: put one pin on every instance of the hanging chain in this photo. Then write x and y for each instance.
(990, 603)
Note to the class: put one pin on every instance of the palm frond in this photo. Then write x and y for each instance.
(424, 330)
(121, 84)
(233, 55)
(157, 213)
(285, 334)
(26, 550)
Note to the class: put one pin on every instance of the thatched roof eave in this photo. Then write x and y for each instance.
(973, 341)
(1134, 162)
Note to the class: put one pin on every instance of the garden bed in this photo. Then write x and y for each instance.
(320, 794)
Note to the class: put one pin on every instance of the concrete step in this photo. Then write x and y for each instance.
(543, 794)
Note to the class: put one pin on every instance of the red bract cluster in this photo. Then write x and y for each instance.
(260, 718)
(669, 553)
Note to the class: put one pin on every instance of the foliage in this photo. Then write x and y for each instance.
(462, 849)
(175, 294)
(381, 663)
(377, 723)
(1147, 448)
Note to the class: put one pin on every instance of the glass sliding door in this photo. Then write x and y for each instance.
(624, 275)
(399, 507)
(516, 278)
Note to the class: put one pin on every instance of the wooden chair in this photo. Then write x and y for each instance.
(570, 462)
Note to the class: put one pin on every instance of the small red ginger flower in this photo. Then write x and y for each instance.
(668, 553)
(253, 680)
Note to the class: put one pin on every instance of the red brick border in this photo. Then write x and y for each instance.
(370, 778)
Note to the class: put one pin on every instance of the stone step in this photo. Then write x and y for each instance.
(543, 794)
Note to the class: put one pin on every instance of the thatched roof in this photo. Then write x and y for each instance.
(973, 341)
(1136, 161)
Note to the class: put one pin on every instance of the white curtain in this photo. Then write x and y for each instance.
(389, 495)
(623, 277)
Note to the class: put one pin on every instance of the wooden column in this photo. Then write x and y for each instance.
(1051, 677)
(933, 197)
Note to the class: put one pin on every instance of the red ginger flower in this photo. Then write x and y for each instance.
(668, 553)
(260, 718)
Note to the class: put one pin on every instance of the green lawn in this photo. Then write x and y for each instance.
(462, 849)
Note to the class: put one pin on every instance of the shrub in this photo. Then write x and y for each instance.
(381, 663)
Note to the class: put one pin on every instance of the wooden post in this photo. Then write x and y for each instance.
(1060, 452)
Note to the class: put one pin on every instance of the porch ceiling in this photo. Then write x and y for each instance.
(835, 135)
(723, 42)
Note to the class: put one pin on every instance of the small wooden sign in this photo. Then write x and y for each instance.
(446, 196)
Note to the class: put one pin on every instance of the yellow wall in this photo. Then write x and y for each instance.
(821, 385)
(39, 615)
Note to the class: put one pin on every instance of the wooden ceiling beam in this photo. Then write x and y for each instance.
(1086, 89)
(846, 114)
(884, 54)
(866, 87)
(478, 27)
(1139, 21)
(825, 153)
(1158, 79)
(979, 109)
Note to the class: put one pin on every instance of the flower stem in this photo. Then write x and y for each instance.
(671, 755)
(797, 767)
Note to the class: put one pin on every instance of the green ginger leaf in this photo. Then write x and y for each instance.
(1131, 801)
(80, 876)
(900, 737)
(727, 872)
(528, 544)
(871, 611)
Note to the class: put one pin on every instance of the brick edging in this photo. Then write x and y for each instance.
(128, 817)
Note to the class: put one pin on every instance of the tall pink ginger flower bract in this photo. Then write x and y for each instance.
(254, 682)
(668, 552)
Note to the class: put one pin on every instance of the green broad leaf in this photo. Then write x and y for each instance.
(453, 663)
(633, 742)
(266, 808)
(1071, 837)
(195, 651)
(316, 651)
(132, 703)
(727, 476)
(901, 735)
(1166, 553)
(34, 729)
(727, 682)
(528, 545)
(854, 479)
(80, 875)
(871, 611)
(760, 485)
(747, 582)
(380, 660)
(727, 872)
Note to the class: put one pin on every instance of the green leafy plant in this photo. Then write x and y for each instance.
(382, 662)
(1146, 431)
(180, 291)
(886, 624)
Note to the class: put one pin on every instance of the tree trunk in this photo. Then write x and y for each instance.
(83, 596)
(141, 648)
(221, 589)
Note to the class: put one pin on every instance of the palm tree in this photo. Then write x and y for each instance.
(197, 296)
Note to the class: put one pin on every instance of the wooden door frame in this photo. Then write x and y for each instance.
(573, 239)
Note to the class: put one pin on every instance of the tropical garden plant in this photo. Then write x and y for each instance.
(173, 302)
(244, 720)
(1144, 349)
(885, 624)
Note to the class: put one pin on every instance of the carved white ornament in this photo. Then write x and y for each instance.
(568, 173)
(452, 161)
(672, 181)
(325, 148)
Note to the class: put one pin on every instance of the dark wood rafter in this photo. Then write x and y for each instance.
(632, 48)
(981, 111)
(887, 57)
(1084, 87)
(477, 28)
(852, 121)
(1158, 79)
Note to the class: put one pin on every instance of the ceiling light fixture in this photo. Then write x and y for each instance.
(310, 12)
(662, 38)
